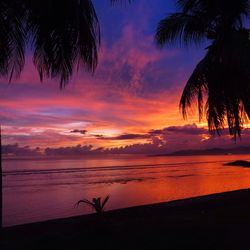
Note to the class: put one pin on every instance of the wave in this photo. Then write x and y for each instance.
(105, 168)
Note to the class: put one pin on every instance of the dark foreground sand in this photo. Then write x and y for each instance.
(220, 221)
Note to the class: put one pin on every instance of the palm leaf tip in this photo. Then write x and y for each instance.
(105, 200)
(180, 27)
(85, 201)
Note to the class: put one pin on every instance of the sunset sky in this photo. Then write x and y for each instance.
(132, 99)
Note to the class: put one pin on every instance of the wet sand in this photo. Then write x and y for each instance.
(219, 221)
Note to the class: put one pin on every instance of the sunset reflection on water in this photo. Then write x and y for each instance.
(36, 190)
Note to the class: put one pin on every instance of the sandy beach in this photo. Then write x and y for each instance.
(218, 221)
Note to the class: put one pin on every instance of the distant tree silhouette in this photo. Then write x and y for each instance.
(221, 80)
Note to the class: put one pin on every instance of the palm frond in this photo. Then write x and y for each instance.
(199, 19)
(12, 38)
(223, 77)
(95, 204)
(196, 87)
(220, 84)
(180, 26)
(187, 5)
(105, 201)
(65, 35)
(85, 201)
(219, 12)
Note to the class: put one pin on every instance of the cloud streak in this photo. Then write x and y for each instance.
(79, 131)
(162, 141)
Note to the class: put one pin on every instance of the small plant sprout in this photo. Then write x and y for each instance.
(96, 204)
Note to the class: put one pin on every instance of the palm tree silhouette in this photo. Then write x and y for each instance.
(220, 83)
(97, 204)
(62, 36)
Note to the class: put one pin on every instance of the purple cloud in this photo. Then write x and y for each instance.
(16, 150)
(78, 131)
(125, 137)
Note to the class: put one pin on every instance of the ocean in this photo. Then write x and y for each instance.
(43, 189)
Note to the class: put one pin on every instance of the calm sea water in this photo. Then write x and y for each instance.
(37, 190)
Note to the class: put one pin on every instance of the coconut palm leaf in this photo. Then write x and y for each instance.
(223, 76)
(220, 83)
(95, 204)
(64, 35)
(105, 201)
(12, 38)
(85, 201)
(182, 27)
(217, 10)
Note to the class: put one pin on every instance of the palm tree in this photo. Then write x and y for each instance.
(97, 204)
(220, 83)
(62, 35)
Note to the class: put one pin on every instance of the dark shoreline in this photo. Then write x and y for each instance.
(217, 221)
